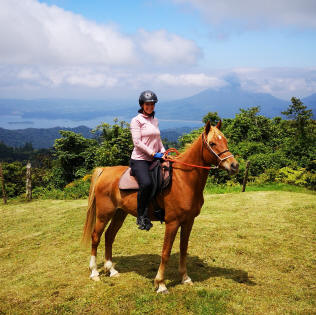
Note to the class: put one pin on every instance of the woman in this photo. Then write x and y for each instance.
(147, 147)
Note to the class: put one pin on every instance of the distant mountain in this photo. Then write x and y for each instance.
(310, 102)
(45, 138)
(225, 101)
(40, 138)
(189, 111)
(174, 134)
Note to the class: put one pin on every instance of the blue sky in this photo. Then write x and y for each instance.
(115, 49)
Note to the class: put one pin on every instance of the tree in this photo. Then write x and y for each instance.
(212, 117)
(299, 143)
(116, 144)
(300, 115)
(71, 151)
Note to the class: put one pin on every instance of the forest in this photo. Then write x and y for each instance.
(280, 150)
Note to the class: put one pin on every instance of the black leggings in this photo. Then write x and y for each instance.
(140, 169)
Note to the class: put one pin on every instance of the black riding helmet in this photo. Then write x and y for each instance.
(147, 96)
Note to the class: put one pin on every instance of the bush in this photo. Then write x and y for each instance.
(77, 189)
(74, 190)
(298, 177)
(262, 161)
(47, 193)
(248, 148)
(268, 176)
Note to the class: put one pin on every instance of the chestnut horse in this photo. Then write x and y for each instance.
(182, 202)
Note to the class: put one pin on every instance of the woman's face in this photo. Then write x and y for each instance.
(148, 107)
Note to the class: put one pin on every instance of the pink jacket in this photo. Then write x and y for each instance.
(146, 137)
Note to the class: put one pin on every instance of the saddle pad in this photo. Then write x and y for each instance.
(127, 181)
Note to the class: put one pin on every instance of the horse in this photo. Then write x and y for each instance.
(182, 201)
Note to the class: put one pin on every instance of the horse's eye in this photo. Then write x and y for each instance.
(212, 144)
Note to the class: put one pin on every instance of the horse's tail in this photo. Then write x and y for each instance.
(91, 212)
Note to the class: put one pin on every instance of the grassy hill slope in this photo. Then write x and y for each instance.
(250, 253)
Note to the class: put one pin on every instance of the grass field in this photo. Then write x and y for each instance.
(249, 253)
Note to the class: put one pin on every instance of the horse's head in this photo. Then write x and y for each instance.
(218, 153)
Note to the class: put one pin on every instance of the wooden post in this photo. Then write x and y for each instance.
(3, 186)
(245, 177)
(28, 182)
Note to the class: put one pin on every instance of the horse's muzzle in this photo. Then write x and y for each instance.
(234, 168)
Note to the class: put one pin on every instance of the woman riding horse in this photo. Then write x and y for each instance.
(182, 201)
(147, 147)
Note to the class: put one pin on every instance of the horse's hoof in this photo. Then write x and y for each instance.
(114, 274)
(95, 278)
(187, 281)
(162, 291)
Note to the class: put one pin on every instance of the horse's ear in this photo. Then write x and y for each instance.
(219, 125)
(207, 127)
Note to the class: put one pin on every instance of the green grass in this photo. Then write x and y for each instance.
(250, 253)
(224, 189)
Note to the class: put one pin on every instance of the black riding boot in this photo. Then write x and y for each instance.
(143, 220)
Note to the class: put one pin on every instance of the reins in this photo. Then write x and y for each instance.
(174, 150)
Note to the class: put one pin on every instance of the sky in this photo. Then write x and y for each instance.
(100, 49)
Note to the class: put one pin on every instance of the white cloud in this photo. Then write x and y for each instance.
(198, 80)
(280, 82)
(169, 48)
(34, 33)
(45, 49)
(250, 13)
(28, 74)
(101, 82)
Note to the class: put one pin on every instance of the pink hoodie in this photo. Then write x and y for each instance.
(146, 137)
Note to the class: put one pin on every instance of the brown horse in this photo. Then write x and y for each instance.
(182, 202)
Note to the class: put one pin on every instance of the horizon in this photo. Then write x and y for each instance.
(70, 113)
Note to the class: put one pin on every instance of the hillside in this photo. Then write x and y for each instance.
(39, 137)
(45, 137)
(249, 253)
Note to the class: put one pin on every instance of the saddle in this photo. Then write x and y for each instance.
(160, 173)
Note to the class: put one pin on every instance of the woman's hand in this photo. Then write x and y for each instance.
(158, 155)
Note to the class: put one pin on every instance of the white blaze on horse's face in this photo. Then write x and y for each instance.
(218, 143)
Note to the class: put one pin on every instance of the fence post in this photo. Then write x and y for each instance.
(28, 182)
(2, 185)
(245, 177)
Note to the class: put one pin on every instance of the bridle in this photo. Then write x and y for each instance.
(208, 147)
(217, 155)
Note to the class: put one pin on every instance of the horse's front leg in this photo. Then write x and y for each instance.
(184, 240)
(170, 234)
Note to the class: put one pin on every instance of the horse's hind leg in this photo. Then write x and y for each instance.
(110, 234)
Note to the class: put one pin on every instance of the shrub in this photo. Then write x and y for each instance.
(262, 161)
(248, 148)
(77, 189)
(267, 177)
(299, 177)
(47, 193)
(74, 190)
